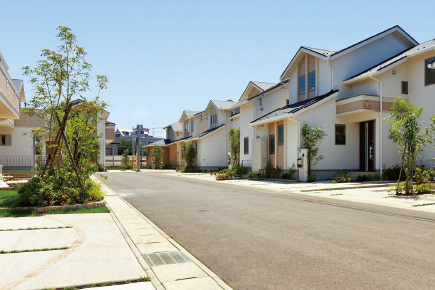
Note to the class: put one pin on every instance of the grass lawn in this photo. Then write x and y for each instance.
(9, 199)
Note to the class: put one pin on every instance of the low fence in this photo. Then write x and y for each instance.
(116, 161)
(21, 163)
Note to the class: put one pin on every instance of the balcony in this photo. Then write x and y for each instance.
(9, 97)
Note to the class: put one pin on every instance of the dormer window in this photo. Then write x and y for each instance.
(302, 85)
(312, 81)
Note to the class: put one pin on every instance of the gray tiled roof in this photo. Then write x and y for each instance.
(27, 120)
(17, 84)
(293, 108)
(262, 85)
(224, 105)
(161, 142)
(396, 58)
(320, 51)
(190, 114)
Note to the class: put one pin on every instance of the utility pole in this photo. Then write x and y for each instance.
(138, 131)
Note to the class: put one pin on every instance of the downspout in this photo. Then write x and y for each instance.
(331, 73)
(381, 136)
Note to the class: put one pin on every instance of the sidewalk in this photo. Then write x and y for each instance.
(75, 249)
(168, 264)
(364, 192)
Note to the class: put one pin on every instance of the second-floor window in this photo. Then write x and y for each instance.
(191, 126)
(312, 81)
(302, 85)
(186, 126)
(429, 72)
(404, 88)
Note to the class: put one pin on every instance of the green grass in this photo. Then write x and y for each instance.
(424, 204)
(35, 229)
(33, 250)
(17, 212)
(9, 198)
(102, 209)
(31, 212)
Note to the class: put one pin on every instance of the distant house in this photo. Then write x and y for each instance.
(129, 135)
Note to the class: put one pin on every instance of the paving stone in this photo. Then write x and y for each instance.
(206, 283)
(173, 272)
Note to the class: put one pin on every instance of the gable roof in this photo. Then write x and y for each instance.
(270, 89)
(176, 126)
(326, 54)
(393, 29)
(259, 86)
(292, 109)
(392, 62)
(222, 105)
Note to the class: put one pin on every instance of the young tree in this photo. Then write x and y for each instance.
(189, 155)
(158, 156)
(59, 78)
(410, 136)
(312, 138)
(125, 144)
(125, 162)
(234, 137)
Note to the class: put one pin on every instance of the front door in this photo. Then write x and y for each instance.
(367, 146)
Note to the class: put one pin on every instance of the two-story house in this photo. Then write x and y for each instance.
(351, 111)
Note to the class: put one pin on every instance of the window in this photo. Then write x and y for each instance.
(280, 135)
(312, 81)
(287, 102)
(405, 88)
(186, 127)
(246, 145)
(6, 140)
(191, 126)
(429, 75)
(271, 144)
(302, 85)
(340, 134)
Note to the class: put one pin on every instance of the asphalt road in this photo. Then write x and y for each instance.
(260, 239)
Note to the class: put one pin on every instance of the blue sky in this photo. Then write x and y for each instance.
(165, 56)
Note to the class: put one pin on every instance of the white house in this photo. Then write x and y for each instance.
(349, 93)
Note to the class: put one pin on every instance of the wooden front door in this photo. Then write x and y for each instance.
(367, 146)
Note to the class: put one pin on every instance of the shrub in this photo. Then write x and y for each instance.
(392, 173)
(312, 177)
(423, 188)
(344, 177)
(58, 188)
(125, 162)
(158, 156)
(253, 174)
(271, 172)
(423, 176)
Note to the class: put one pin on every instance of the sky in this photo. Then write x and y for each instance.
(163, 57)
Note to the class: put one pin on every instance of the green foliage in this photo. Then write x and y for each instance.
(125, 161)
(189, 155)
(158, 156)
(312, 138)
(392, 173)
(59, 188)
(125, 145)
(231, 172)
(253, 175)
(344, 177)
(59, 77)
(423, 188)
(234, 137)
(368, 177)
(9, 198)
(423, 176)
(271, 172)
(312, 177)
(290, 174)
(410, 137)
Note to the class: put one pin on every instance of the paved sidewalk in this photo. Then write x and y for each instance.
(364, 192)
(168, 264)
(80, 249)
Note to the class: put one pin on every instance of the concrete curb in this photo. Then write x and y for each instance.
(147, 268)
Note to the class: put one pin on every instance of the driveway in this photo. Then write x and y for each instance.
(256, 238)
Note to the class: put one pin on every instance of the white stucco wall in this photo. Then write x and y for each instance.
(21, 144)
(270, 101)
(246, 130)
(211, 149)
(101, 129)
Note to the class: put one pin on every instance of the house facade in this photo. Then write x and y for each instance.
(348, 93)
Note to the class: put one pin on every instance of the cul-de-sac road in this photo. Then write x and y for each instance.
(261, 239)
